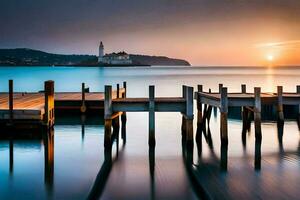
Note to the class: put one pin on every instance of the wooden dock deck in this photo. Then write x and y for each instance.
(37, 109)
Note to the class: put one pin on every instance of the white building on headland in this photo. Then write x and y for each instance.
(121, 58)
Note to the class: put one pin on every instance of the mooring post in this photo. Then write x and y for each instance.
(257, 113)
(108, 116)
(183, 123)
(189, 117)
(11, 100)
(83, 107)
(49, 103)
(298, 120)
(151, 137)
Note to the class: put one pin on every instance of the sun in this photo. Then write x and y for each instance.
(270, 57)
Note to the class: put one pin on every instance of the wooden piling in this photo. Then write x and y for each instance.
(224, 116)
(49, 104)
(243, 87)
(189, 116)
(298, 120)
(280, 121)
(199, 121)
(151, 139)
(107, 116)
(257, 113)
(199, 106)
(118, 91)
(11, 100)
(220, 88)
(124, 116)
(183, 122)
(83, 107)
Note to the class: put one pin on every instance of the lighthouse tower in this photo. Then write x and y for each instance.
(101, 52)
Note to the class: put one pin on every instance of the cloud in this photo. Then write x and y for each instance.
(289, 44)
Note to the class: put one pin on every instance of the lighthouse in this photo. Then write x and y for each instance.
(101, 52)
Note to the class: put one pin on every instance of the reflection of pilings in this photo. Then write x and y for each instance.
(11, 156)
(257, 159)
(152, 171)
(49, 158)
(102, 176)
(83, 118)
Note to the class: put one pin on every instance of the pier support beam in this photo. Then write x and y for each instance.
(257, 113)
(183, 122)
(189, 117)
(108, 116)
(280, 105)
(124, 116)
(224, 128)
(298, 120)
(199, 121)
(151, 139)
(11, 101)
(244, 117)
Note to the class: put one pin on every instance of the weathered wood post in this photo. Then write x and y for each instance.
(298, 120)
(224, 128)
(257, 113)
(243, 87)
(257, 125)
(11, 100)
(189, 115)
(107, 116)
(199, 120)
(49, 104)
(83, 107)
(123, 116)
(118, 90)
(280, 105)
(151, 139)
(224, 116)
(244, 117)
(220, 87)
(183, 123)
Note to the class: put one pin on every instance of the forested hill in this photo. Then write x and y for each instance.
(30, 57)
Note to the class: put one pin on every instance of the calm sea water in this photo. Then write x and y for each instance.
(78, 150)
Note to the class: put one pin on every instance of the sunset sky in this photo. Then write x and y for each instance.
(204, 32)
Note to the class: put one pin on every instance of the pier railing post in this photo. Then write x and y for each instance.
(83, 107)
(108, 116)
(224, 128)
(257, 113)
(49, 103)
(244, 113)
(11, 100)
(189, 117)
(298, 120)
(151, 140)
(123, 116)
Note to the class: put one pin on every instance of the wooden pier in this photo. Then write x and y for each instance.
(35, 110)
(31, 110)
(116, 107)
(249, 102)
